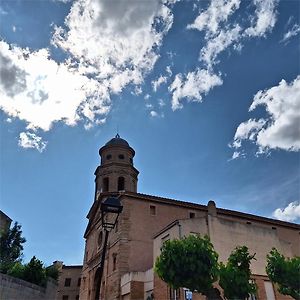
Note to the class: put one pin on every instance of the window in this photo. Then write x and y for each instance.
(105, 184)
(152, 210)
(77, 297)
(121, 183)
(131, 160)
(114, 261)
(121, 156)
(65, 297)
(79, 282)
(108, 156)
(67, 281)
(192, 215)
(248, 222)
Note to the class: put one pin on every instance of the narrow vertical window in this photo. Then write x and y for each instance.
(114, 261)
(68, 282)
(152, 210)
(121, 183)
(105, 184)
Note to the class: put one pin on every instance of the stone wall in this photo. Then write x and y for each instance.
(15, 289)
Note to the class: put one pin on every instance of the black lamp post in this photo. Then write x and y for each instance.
(110, 209)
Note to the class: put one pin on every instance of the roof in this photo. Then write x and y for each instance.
(72, 267)
(117, 141)
(168, 201)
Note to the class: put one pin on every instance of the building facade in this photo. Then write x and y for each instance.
(146, 220)
(69, 280)
(5, 222)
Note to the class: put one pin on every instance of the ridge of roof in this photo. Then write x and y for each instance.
(221, 211)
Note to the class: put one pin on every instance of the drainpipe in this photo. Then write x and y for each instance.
(179, 230)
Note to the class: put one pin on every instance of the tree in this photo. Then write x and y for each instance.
(190, 262)
(285, 272)
(11, 247)
(34, 272)
(52, 271)
(235, 275)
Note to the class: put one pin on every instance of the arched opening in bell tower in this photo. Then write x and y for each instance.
(105, 184)
(121, 183)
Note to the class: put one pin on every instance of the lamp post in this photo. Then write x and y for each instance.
(110, 209)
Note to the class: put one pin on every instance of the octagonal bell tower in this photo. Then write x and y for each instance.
(116, 172)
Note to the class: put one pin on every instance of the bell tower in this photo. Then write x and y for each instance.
(116, 172)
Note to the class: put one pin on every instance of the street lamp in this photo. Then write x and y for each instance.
(110, 209)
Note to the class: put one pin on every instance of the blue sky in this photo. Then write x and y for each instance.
(206, 92)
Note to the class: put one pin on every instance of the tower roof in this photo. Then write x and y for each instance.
(117, 141)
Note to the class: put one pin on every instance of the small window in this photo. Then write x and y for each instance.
(108, 156)
(274, 228)
(114, 261)
(121, 184)
(131, 160)
(152, 210)
(192, 215)
(105, 184)
(77, 297)
(65, 297)
(67, 281)
(121, 156)
(249, 223)
(79, 282)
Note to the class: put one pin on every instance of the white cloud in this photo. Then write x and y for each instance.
(109, 45)
(31, 140)
(265, 18)
(36, 89)
(169, 71)
(280, 129)
(294, 31)
(218, 12)
(115, 41)
(192, 86)
(221, 33)
(290, 213)
(160, 80)
(219, 43)
(247, 130)
(153, 113)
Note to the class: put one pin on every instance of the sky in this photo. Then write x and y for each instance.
(206, 92)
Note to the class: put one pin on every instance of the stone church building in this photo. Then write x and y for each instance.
(147, 221)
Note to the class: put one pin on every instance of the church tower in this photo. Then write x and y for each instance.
(116, 172)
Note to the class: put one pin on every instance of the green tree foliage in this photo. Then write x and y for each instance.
(11, 247)
(285, 272)
(52, 272)
(235, 275)
(190, 262)
(17, 270)
(34, 272)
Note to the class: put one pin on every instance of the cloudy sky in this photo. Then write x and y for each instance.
(206, 92)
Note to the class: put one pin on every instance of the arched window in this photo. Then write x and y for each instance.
(105, 184)
(121, 183)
